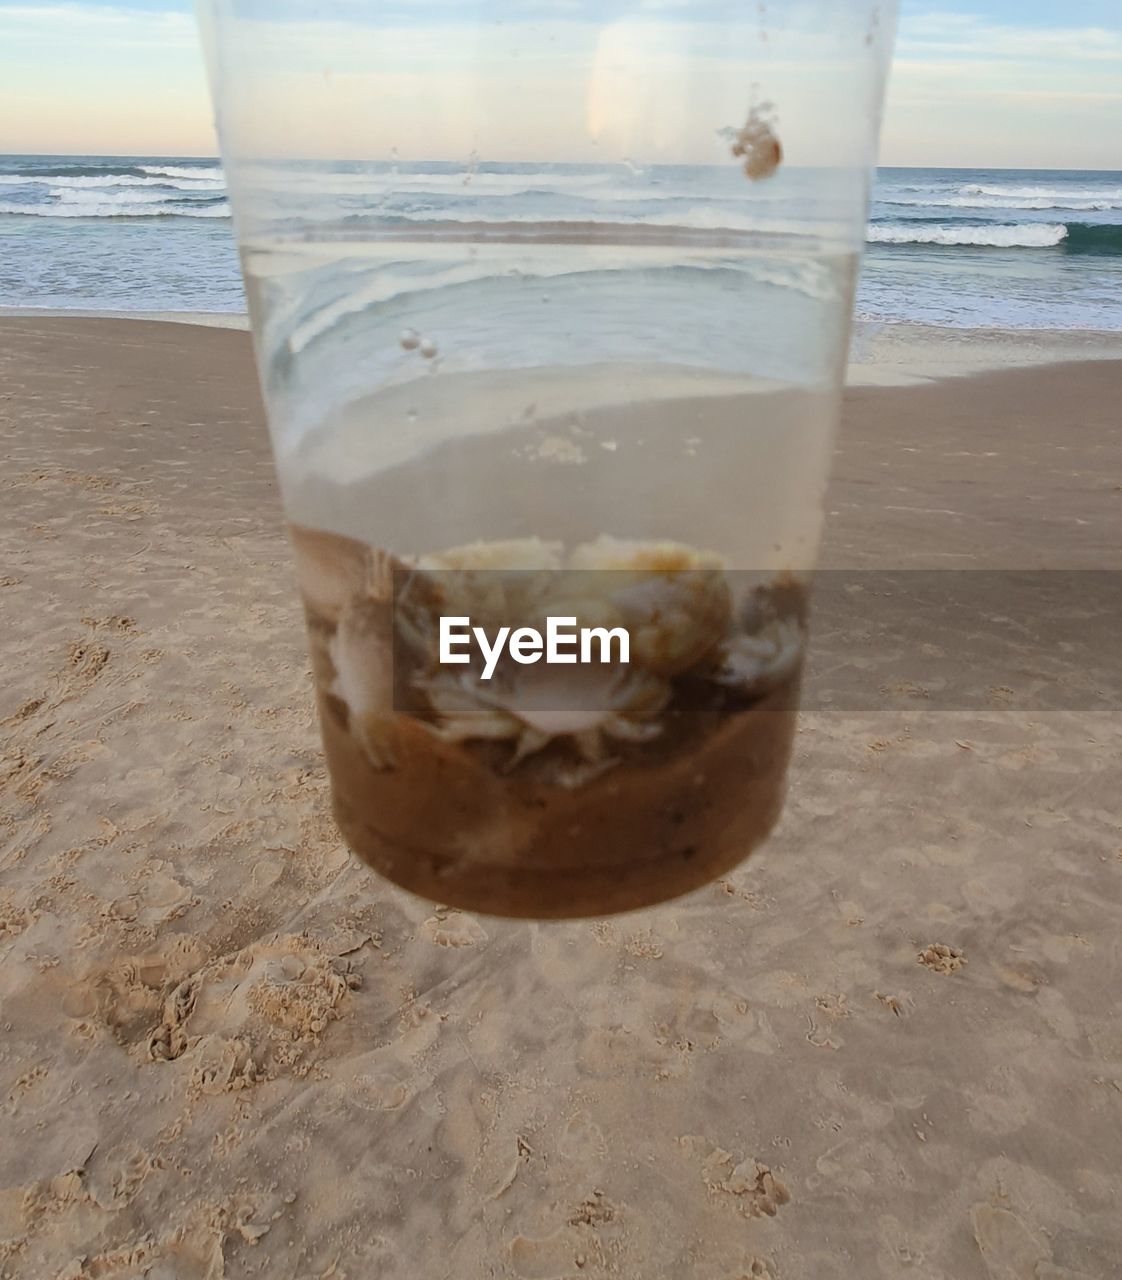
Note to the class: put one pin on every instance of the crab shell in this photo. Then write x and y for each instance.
(492, 583)
(536, 705)
(513, 553)
(753, 664)
(674, 601)
(361, 653)
(332, 570)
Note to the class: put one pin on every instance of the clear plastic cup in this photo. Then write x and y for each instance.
(551, 305)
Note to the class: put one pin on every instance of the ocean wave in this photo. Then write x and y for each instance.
(211, 173)
(1063, 193)
(717, 220)
(100, 196)
(85, 182)
(1089, 238)
(108, 209)
(1104, 239)
(1012, 203)
(61, 167)
(1030, 235)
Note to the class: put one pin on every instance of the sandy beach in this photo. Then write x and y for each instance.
(887, 1047)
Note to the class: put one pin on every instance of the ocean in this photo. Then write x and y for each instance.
(966, 248)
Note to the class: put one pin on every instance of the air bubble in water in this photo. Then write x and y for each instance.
(410, 339)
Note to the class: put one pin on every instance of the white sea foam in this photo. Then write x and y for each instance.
(86, 196)
(209, 172)
(79, 182)
(1031, 235)
(1063, 193)
(1012, 203)
(108, 209)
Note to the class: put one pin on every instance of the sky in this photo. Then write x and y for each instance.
(974, 83)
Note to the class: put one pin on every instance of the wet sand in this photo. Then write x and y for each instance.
(886, 1047)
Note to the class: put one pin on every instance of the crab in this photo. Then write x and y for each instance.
(334, 571)
(588, 707)
(361, 652)
(753, 664)
(673, 601)
(490, 582)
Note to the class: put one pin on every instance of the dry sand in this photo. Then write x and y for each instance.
(887, 1047)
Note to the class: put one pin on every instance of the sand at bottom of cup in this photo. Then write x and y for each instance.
(442, 824)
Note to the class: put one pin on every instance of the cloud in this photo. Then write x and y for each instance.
(968, 90)
(936, 35)
(947, 58)
(966, 87)
(57, 25)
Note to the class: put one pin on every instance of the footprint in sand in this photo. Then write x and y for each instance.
(386, 1085)
(900, 1004)
(112, 622)
(752, 1187)
(1024, 976)
(124, 999)
(272, 1002)
(640, 1048)
(582, 1139)
(940, 958)
(453, 929)
(85, 662)
(114, 1181)
(25, 711)
(159, 899)
(14, 919)
(1010, 1249)
(575, 1249)
(756, 1269)
(87, 659)
(823, 1020)
(559, 1256)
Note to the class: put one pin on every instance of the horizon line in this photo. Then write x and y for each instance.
(217, 159)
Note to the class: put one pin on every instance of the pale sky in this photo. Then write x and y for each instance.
(975, 83)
